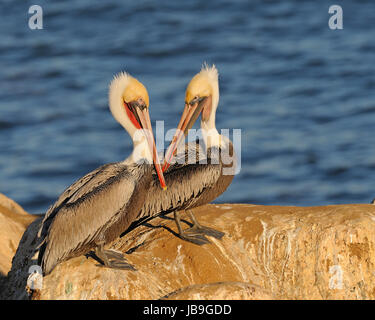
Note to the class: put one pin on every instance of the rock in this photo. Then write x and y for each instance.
(220, 291)
(268, 252)
(13, 222)
(16, 281)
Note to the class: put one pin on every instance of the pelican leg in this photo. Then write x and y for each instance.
(196, 238)
(198, 228)
(112, 259)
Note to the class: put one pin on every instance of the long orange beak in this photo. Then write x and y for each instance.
(188, 118)
(144, 118)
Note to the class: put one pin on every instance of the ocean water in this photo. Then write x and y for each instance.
(302, 94)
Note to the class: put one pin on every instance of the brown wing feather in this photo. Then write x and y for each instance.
(185, 182)
(68, 193)
(86, 209)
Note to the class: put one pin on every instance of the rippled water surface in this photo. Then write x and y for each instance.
(303, 95)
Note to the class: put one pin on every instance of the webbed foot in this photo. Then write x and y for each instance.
(194, 235)
(209, 231)
(112, 259)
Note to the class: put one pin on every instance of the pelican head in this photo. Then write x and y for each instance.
(201, 97)
(127, 96)
(129, 105)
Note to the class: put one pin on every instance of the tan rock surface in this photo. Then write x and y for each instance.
(220, 291)
(13, 222)
(268, 252)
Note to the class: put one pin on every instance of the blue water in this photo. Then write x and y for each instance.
(303, 95)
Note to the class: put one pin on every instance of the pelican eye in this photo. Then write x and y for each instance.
(195, 100)
(138, 104)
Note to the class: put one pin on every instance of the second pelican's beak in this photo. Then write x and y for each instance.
(141, 112)
(191, 113)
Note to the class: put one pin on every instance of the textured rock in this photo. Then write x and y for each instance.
(220, 291)
(15, 283)
(13, 222)
(268, 252)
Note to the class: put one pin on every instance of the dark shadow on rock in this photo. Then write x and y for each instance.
(2, 282)
(152, 226)
(143, 221)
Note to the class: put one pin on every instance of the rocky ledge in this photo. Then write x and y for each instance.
(13, 222)
(268, 252)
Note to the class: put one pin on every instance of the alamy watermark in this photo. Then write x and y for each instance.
(35, 279)
(336, 280)
(36, 18)
(336, 20)
(221, 152)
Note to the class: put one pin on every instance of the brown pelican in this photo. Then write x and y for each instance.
(97, 208)
(194, 184)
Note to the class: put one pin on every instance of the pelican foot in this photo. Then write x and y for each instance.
(193, 235)
(210, 232)
(112, 254)
(202, 229)
(112, 259)
(119, 264)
